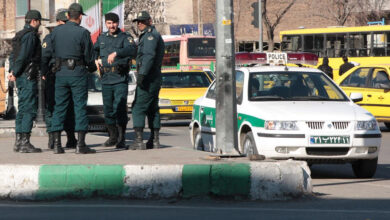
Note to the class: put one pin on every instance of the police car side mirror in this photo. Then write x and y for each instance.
(356, 96)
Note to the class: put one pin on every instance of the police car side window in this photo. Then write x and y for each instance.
(211, 92)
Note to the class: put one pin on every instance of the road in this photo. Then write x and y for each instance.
(337, 195)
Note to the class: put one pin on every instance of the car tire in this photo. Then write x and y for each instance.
(365, 168)
(387, 125)
(249, 145)
(198, 143)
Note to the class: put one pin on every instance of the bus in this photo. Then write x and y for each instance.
(362, 45)
(189, 51)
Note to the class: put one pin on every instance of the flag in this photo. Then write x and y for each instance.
(117, 7)
(92, 20)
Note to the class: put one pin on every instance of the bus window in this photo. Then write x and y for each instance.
(201, 47)
(379, 44)
(335, 45)
(358, 45)
(292, 43)
(308, 43)
(172, 53)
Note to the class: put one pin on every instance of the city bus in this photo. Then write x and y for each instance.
(189, 51)
(362, 45)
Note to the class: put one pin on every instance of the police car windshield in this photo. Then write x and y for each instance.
(293, 86)
(185, 80)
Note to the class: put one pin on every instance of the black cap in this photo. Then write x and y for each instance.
(34, 14)
(62, 15)
(142, 16)
(111, 17)
(77, 8)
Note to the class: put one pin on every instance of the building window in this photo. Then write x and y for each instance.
(22, 6)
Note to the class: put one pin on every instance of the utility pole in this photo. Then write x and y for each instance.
(260, 26)
(226, 108)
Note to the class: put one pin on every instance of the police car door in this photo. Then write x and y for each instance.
(207, 119)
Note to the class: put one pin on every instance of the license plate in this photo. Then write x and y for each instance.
(96, 127)
(329, 140)
(183, 109)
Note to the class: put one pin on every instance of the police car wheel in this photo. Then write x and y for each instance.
(249, 145)
(198, 143)
(365, 168)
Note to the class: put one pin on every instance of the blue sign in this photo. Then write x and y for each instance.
(208, 29)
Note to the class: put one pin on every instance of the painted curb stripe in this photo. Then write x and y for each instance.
(196, 180)
(230, 179)
(80, 181)
(18, 181)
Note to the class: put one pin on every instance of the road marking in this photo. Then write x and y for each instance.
(374, 211)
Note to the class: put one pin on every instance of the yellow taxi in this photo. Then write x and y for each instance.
(179, 90)
(373, 82)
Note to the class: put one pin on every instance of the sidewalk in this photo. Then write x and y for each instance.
(169, 172)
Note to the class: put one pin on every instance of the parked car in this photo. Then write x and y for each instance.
(373, 82)
(293, 112)
(179, 90)
(95, 100)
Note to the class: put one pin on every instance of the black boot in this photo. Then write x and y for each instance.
(138, 142)
(26, 146)
(113, 136)
(122, 138)
(82, 148)
(57, 142)
(18, 141)
(71, 141)
(154, 139)
(50, 144)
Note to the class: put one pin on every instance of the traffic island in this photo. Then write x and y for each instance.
(255, 180)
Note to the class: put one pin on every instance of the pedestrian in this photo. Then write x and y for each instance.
(48, 70)
(24, 68)
(115, 49)
(149, 60)
(73, 51)
(324, 67)
(345, 66)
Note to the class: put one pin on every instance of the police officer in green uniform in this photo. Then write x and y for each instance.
(149, 60)
(115, 49)
(73, 51)
(24, 66)
(48, 70)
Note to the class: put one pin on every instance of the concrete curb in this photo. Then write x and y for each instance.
(255, 181)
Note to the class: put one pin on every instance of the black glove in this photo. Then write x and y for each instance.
(140, 80)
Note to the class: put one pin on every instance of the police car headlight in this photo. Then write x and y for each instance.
(367, 125)
(280, 125)
(163, 102)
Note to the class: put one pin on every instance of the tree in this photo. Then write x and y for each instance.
(272, 18)
(338, 11)
(371, 10)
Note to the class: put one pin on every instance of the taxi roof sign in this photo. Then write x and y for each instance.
(276, 58)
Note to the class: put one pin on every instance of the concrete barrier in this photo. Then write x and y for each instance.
(255, 181)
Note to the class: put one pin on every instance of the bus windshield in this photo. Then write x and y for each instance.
(201, 47)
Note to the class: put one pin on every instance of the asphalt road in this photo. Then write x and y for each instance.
(337, 195)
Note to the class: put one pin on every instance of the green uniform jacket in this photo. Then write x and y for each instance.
(150, 55)
(30, 50)
(123, 44)
(71, 41)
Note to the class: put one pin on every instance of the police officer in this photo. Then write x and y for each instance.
(149, 59)
(115, 49)
(24, 62)
(345, 66)
(48, 69)
(324, 67)
(73, 51)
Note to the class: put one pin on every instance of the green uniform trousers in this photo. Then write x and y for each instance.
(67, 88)
(27, 104)
(50, 103)
(146, 104)
(115, 103)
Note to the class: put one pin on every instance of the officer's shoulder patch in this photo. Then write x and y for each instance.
(150, 30)
(150, 38)
(44, 45)
(130, 39)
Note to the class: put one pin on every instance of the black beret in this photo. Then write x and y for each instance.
(111, 17)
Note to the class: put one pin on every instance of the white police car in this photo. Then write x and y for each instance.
(293, 112)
